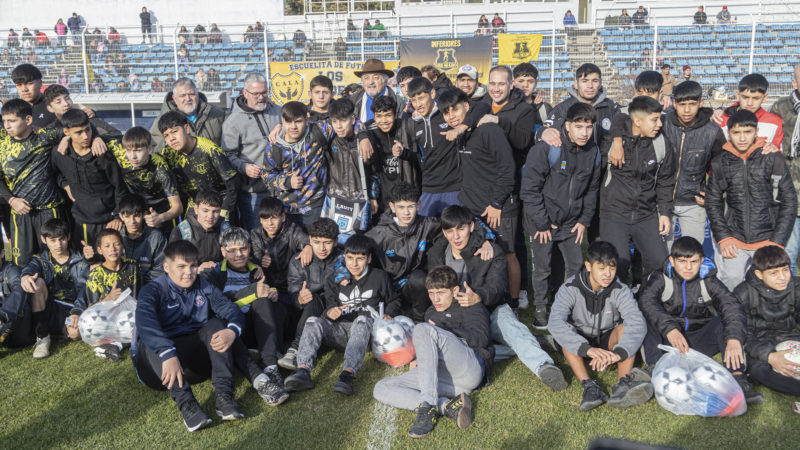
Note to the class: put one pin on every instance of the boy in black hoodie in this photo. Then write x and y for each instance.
(202, 227)
(771, 299)
(559, 191)
(687, 306)
(143, 244)
(346, 323)
(636, 198)
(453, 339)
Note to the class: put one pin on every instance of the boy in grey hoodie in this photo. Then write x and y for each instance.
(586, 321)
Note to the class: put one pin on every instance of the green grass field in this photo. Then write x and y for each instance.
(76, 400)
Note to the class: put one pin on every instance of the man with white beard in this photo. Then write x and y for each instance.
(206, 119)
(373, 81)
(244, 137)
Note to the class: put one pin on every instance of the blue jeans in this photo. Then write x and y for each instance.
(793, 246)
(431, 205)
(306, 219)
(248, 204)
(514, 338)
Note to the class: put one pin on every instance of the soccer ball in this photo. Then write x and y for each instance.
(387, 337)
(794, 356)
(709, 376)
(95, 327)
(125, 323)
(406, 322)
(671, 386)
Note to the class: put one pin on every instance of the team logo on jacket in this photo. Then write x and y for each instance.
(390, 253)
(353, 301)
(606, 124)
(199, 300)
(446, 59)
(287, 88)
(422, 245)
(443, 125)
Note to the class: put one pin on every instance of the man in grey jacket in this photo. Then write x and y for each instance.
(244, 138)
(586, 321)
(206, 119)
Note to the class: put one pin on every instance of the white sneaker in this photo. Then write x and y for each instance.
(41, 349)
(523, 300)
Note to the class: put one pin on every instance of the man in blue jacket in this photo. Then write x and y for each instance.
(177, 342)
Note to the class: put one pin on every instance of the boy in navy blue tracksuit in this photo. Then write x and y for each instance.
(177, 341)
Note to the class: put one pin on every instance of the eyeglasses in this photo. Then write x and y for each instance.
(258, 94)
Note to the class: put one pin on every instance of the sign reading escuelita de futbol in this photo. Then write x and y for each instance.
(289, 81)
(449, 54)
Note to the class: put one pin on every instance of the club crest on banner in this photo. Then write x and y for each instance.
(446, 59)
(521, 50)
(287, 88)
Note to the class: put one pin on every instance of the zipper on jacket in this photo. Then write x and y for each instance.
(683, 311)
(746, 199)
(680, 160)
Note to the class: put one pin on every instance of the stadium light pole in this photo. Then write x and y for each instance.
(266, 58)
(85, 60)
(175, 48)
(752, 44)
(553, 59)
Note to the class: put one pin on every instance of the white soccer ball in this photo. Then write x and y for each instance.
(125, 323)
(671, 385)
(794, 356)
(387, 337)
(95, 327)
(710, 376)
(406, 322)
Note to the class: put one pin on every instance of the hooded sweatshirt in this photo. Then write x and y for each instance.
(282, 249)
(245, 136)
(517, 119)
(487, 165)
(605, 107)
(207, 121)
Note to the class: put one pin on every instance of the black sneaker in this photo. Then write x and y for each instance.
(629, 392)
(593, 395)
(298, 381)
(540, 318)
(227, 407)
(552, 377)
(193, 416)
(344, 385)
(425, 421)
(460, 409)
(271, 391)
(108, 351)
(752, 397)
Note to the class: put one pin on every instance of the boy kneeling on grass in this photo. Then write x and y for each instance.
(771, 299)
(454, 356)
(346, 323)
(587, 322)
(178, 344)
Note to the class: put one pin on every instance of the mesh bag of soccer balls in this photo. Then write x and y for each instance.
(391, 339)
(111, 321)
(694, 384)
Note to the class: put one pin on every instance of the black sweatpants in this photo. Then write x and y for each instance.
(20, 332)
(313, 308)
(24, 233)
(763, 374)
(197, 359)
(86, 232)
(262, 332)
(708, 340)
(646, 238)
(570, 258)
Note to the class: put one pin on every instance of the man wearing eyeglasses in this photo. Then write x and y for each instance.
(244, 137)
(205, 118)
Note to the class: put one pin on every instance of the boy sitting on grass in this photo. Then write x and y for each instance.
(346, 323)
(14, 324)
(771, 299)
(587, 322)
(55, 278)
(454, 355)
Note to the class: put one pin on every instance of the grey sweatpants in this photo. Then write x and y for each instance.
(731, 271)
(693, 223)
(350, 337)
(446, 367)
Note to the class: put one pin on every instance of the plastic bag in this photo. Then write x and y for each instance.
(112, 321)
(694, 384)
(391, 339)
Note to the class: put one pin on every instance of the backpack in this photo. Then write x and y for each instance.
(666, 294)
(186, 229)
(777, 175)
(554, 157)
(660, 147)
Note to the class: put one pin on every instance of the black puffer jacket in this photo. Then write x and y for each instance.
(489, 279)
(441, 84)
(686, 310)
(517, 120)
(561, 195)
(344, 175)
(282, 249)
(315, 275)
(739, 201)
(400, 251)
(605, 107)
(641, 187)
(772, 316)
(694, 147)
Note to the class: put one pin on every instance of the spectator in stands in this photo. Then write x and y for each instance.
(341, 49)
(299, 39)
(183, 58)
(200, 35)
(258, 33)
(61, 31)
(110, 67)
(28, 57)
(244, 138)
(483, 26)
(365, 29)
(373, 79)
(74, 24)
(724, 16)
(215, 35)
(640, 17)
(97, 85)
(687, 74)
(200, 79)
(157, 85)
(205, 118)
(41, 39)
(27, 38)
(147, 25)
(624, 19)
(352, 33)
(63, 79)
(113, 41)
(787, 109)
(133, 82)
(669, 81)
(380, 30)
(184, 37)
(700, 17)
(212, 80)
(5, 58)
(569, 20)
(121, 86)
(248, 34)
(123, 67)
(170, 80)
(13, 39)
(498, 24)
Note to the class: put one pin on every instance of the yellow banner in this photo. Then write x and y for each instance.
(290, 80)
(516, 49)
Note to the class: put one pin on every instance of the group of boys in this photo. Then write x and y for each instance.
(418, 208)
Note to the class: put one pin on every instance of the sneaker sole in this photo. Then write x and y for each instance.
(464, 417)
(203, 424)
(281, 400)
(755, 401)
(342, 389)
(41, 356)
(417, 436)
(229, 417)
(635, 396)
(297, 386)
(286, 365)
(588, 406)
(553, 378)
(539, 327)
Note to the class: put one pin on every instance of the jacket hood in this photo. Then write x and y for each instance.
(767, 293)
(759, 144)
(707, 269)
(388, 219)
(601, 95)
(240, 105)
(703, 117)
(198, 228)
(296, 147)
(480, 91)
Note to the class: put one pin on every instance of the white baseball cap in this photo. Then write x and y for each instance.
(468, 69)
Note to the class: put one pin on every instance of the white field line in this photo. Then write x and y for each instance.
(383, 423)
